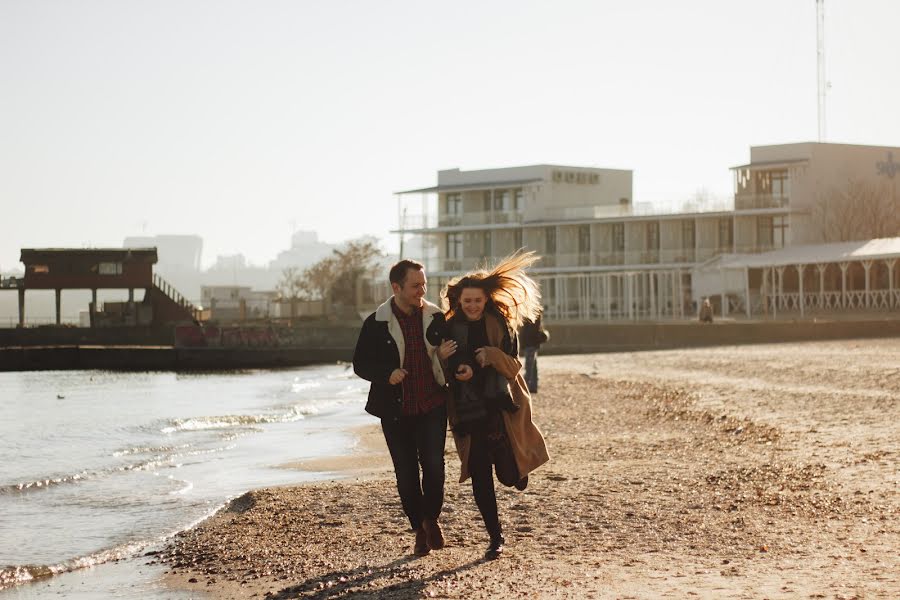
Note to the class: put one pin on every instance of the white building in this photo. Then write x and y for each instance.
(607, 257)
(237, 303)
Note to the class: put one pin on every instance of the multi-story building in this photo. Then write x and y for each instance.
(605, 256)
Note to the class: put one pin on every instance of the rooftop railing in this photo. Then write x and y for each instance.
(478, 218)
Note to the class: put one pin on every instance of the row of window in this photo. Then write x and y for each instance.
(771, 233)
(498, 200)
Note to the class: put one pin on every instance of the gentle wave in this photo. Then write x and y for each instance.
(296, 413)
(149, 449)
(299, 386)
(14, 575)
(146, 465)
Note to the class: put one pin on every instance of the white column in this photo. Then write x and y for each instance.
(867, 266)
(843, 267)
(747, 291)
(821, 268)
(800, 269)
(722, 296)
(606, 283)
(890, 265)
(774, 295)
(632, 301)
(674, 294)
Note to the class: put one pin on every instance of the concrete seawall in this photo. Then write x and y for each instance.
(577, 338)
(324, 345)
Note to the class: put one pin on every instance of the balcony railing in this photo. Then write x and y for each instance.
(664, 256)
(478, 218)
(680, 255)
(752, 201)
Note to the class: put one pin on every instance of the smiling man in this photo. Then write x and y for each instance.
(397, 351)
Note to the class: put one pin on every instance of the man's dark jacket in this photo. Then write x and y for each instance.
(530, 335)
(380, 349)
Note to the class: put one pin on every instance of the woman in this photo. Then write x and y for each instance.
(490, 409)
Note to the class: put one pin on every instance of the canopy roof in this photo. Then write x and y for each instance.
(877, 249)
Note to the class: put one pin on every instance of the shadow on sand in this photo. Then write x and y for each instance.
(337, 583)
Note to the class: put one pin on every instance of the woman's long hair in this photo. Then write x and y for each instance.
(509, 290)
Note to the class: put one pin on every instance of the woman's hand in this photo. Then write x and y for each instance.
(464, 373)
(482, 357)
(446, 349)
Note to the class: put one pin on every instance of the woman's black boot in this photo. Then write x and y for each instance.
(495, 550)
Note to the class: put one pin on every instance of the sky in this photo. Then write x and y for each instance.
(242, 121)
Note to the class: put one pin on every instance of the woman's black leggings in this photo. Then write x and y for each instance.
(481, 470)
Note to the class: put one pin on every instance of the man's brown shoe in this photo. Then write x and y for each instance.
(433, 534)
(421, 547)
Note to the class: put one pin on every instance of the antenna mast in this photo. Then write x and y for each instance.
(820, 55)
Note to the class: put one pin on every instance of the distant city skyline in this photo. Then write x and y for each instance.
(244, 122)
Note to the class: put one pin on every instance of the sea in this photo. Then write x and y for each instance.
(98, 468)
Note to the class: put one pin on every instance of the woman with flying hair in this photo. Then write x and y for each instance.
(490, 409)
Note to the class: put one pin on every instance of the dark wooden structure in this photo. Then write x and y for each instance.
(101, 268)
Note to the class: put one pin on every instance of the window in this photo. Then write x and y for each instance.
(618, 237)
(584, 239)
(502, 200)
(550, 240)
(518, 200)
(726, 234)
(764, 232)
(454, 204)
(517, 238)
(779, 231)
(487, 202)
(454, 245)
(688, 235)
(780, 184)
(110, 268)
(486, 243)
(40, 268)
(652, 236)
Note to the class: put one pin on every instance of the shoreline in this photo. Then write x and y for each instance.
(722, 473)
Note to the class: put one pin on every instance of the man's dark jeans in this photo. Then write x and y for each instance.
(414, 441)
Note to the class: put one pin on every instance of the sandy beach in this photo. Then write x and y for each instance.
(768, 471)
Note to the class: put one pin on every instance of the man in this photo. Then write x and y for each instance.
(531, 337)
(397, 352)
(706, 311)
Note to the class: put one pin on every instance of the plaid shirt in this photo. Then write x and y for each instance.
(421, 393)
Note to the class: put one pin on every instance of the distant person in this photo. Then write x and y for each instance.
(408, 393)
(531, 337)
(489, 406)
(706, 311)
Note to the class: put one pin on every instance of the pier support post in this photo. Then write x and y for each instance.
(21, 307)
(93, 308)
(58, 306)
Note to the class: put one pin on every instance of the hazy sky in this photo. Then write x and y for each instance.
(240, 121)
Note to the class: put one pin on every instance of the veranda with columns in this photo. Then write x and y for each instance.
(846, 277)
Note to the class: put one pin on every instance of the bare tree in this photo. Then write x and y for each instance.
(857, 211)
(290, 287)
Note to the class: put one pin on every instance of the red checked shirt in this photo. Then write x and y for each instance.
(421, 393)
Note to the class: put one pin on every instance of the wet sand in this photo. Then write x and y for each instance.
(740, 472)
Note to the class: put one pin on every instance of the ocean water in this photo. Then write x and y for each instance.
(98, 467)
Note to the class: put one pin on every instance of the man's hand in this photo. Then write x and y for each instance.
(397, 376)
(446, 349)
(464, 373)
(482, 357)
